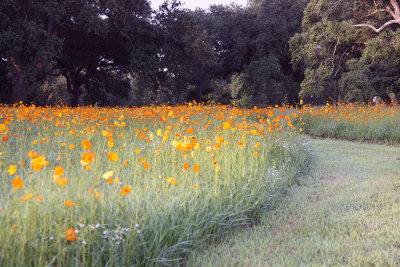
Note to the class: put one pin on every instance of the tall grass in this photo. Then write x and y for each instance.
(179, 177)
(352, 121)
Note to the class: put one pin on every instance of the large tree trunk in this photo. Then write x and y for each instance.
(75, 97)
(19, 89)
(74, 87)
(76, 93)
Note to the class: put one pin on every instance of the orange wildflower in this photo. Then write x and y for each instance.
(196, 168)
(112, 156)
(25, 198)
(110, 142)
(146, 166)
(107, 133)
(70, 235)
(62, 181)
(38, 163)
(86, 144)
(32, 154)
(142, 136)
(226, 125)
(69, 203)
(17, 182)
(185, 166)
(87, 158)
(126, 190)
(58, 171)
(190, 130)
(39, 198)
(171, 180)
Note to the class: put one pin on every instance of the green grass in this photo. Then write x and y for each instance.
(345, 213)
(376, 124)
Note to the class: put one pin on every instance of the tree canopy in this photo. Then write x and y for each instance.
(121, 52)
(342, 55)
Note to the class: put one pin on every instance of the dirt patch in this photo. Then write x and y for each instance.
(286, 228)
(314, 199)
(333, 179)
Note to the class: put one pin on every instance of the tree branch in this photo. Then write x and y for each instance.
(381, 28)
(396, 8)
(377, 11)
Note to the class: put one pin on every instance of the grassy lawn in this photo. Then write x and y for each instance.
(345, 213)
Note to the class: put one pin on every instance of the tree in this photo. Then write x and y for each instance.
(186, 57)
(333, 50)
(79, 39)
(252, 43)
(104, 36)
(27, 47)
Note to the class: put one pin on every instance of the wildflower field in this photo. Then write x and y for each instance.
(352, 121)
(136, 186)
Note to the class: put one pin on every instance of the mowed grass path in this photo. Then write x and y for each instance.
(347, 212)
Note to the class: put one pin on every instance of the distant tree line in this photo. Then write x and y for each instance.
(121, 52)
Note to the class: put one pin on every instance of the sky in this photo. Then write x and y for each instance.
(192, 4)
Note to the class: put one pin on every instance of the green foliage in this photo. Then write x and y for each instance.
(340, 60)
(50, 92)
(264, 84)
(26, 45)
(355, 84)
(253, 41)
(104, 36)
(184, 55)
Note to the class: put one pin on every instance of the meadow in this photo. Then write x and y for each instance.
(137, 186)
(377, 124)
